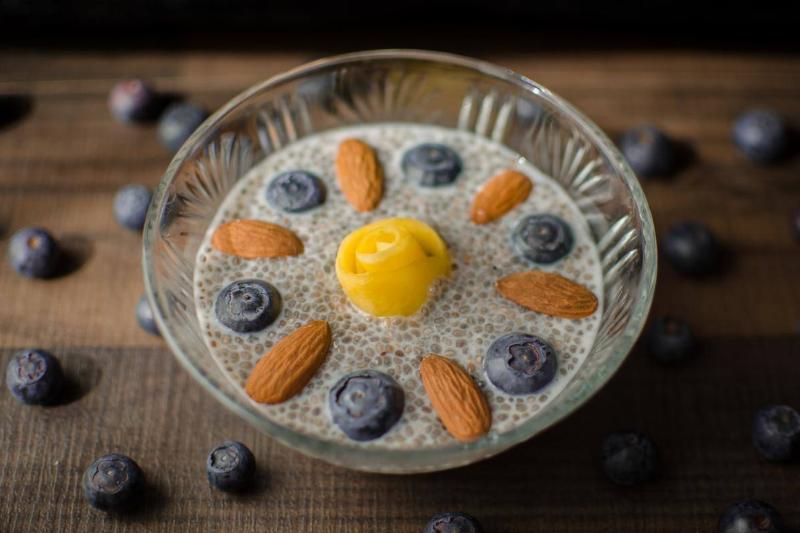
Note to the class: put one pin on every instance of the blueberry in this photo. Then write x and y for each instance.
(776, 433)
(542, 238)
(295, 191)
(230, 466)
(669, 339)
(113, 482)
(649, 151)
(366, 404)
(131, 100)
(517, 363)
(761, 134)
(751, 516)
(629, 458)
(130, 206)
(34, 253)
(34, 376)
(248, 305)
(453, 523)
(431, 165)
(177, 124)
(691, 249)
(144, 315)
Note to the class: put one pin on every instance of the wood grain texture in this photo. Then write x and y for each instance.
(60, 166)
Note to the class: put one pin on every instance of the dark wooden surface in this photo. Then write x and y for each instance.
(61, 164)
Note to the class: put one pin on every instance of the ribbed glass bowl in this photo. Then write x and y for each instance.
(402, 86)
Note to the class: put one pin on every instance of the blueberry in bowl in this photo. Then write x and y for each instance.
(431, 165)
(248, 305)
(542, 238)
(518, 363)
(366, 404)
(295, 191)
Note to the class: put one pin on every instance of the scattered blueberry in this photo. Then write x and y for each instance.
(366, 404)
(691, 249)
(761, 134)
(649, 151)
(752, 516)
(669, 339)
(144, 315)
(248, 305)
(131, 100)
(34, 376)
(431, 165)
(629, 458)
(453, 523)
(230, 466)
(177, 124)
(776, 433)
(517, 363)
(295, 191)
(542, 238)
(34, 253)
(112, 482)
(130, 206)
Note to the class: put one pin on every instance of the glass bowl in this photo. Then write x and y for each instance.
(402, 86)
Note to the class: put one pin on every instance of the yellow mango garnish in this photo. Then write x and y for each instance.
(387, 267)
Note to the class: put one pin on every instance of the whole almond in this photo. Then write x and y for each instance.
(360, 174)
(290, 364)
(548, 293)
(456, 398)
(502, 193)
(253, 238)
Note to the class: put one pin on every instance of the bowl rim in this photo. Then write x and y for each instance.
(449, 455)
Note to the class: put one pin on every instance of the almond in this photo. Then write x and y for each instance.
(290, 364)
(253, 238)
(502, 193)
(456, 398)
(360, 174)
(548, 293)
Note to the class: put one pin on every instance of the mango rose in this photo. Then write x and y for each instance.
(387, 267)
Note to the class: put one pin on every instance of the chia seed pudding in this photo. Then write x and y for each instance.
(463, 315)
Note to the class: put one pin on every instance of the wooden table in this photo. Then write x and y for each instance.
(61, 164)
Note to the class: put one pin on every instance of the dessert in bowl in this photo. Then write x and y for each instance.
(400, 261)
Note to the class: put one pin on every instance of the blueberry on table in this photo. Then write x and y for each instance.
(629, 458)
(649, 151)
(34, 376)
(691, 249)
(230, 466)
(794, 223)
(295, 191)
(177, 124)
(669, 339)
(761, 135)
(130, 206)
(542, 238)
(113, 482)
(431, 165)
(366, 404)
(518, 363)
(453, 523)
(34, 253)
(248, 305)
(131, 100)
(751, 516)
(776, 433)
(144, 315)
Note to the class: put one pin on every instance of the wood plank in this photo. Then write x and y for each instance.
(698, 413)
